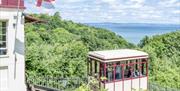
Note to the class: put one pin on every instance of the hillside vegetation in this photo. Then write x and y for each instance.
(59, 47)
(164, 53)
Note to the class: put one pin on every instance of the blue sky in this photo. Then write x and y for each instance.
(116, 11)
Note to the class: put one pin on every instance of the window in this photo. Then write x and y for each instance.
(89, 67)
(118, 74)
(135, 71)
(143, 67)
(3, 41)
(102, 69)
(97, 69)
(94, 68)
(127, 71)
(109, 72)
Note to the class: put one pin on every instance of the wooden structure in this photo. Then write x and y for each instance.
(31, 19)
(119, 70)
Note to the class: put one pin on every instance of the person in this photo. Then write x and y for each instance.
(138, 73)
(129, 72)
(134, 74)
(118, 72)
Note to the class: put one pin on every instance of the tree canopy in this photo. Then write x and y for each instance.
(164, 53)
(60, 47)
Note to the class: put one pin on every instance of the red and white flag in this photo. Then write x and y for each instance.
(45, 3)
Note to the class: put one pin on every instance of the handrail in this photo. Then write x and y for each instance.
(156, 87)
(58, 83)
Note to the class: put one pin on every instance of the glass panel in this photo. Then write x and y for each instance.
(109, 72)
(97, 65)
(3, 51)
(3, 45)
(144, 67)
(2, 28)
(140, 67)
(102, 70)
(135, 71)
(89, 67)
(102, 78)
(93, 67)
(127, 71)
(118, 74)
(2, 37)
(3, 24)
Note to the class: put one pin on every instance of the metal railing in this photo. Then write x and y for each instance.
(70, 84)
(157, 87)
(59, 83)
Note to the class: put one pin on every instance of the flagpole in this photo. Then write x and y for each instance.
(17, 19)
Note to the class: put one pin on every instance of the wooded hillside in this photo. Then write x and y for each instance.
(60, 47)
(164, 53)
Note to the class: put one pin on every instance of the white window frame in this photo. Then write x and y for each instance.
(6, 34)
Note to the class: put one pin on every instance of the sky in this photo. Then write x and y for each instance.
(114, 11)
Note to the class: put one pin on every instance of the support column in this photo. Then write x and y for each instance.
(147, 69)
(104, 74)
(90, 67)
(122, 77)
(114, 73)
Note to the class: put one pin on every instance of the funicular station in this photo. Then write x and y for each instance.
(123, 70)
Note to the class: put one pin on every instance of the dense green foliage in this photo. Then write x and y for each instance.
(164, 53)
(92, 85)
(59, 47)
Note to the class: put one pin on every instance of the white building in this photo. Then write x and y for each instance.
(12, 63)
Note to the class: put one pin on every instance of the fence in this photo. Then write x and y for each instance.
(59, 83)
(157, 87)
(69, 84)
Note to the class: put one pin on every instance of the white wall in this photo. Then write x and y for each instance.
(118, 86)
(143, 82)
(109, 86)
(129, 85)
(135, 84)
(16, 69)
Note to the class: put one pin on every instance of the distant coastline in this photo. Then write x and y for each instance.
(134, 32)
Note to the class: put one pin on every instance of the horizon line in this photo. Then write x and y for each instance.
(133, 23)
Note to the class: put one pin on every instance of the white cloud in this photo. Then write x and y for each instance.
(176, 12)
(169, 3)
(138, 1)
(71, 1)
(118, 10)
(108, 1)
(177, 4)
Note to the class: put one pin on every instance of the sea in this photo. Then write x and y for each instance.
(134, 32)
